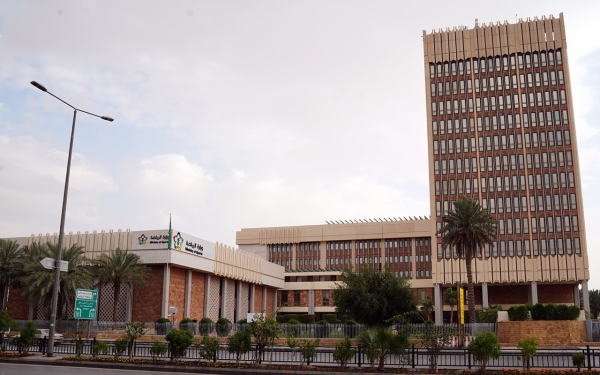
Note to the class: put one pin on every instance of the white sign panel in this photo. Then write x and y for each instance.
(159, 239)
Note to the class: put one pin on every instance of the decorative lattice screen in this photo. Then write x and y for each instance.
(230, 300)
(214, 300)
(105, 303)
(243, 301)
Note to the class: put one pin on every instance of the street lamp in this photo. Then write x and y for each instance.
(50, 351)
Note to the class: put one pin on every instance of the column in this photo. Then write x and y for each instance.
(576, 298)
(585, 295)
(534, 295)
(438, 304)
(223, 298)
(311, 301)
(264, 300)
(188, 293)
(484, 295)
(252, 294)
(275, 300)
(238, 305)
(165, 294)
(206, 295)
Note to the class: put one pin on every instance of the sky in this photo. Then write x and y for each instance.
(241, 114)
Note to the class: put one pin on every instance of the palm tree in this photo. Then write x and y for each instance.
(468, 228)
(38, 282)
(451, 299)
(9, 255)
(118, 268)
(379, 342)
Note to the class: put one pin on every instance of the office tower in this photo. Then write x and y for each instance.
(501, 130)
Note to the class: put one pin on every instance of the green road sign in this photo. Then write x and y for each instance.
(86, 304)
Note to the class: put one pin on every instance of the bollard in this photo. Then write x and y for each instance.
(359, 357)
(589, 358)
(413, 356)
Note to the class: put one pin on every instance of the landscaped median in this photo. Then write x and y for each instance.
(244, 368)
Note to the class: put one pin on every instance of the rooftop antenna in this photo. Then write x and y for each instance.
(516, 19)
(476, 22)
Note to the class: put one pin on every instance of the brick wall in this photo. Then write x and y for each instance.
(562, 293)
(318, 298)
(198, 295)
(18, 305)
(549, 333)
(304, 298)
(147, 301)
(269, 309)
(177, 292)
(507, 295)
(258, 293)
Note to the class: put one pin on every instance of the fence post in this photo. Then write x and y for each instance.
(469, 356)
(413, 356)
(588, 357)
(216, 353)
(359, 357)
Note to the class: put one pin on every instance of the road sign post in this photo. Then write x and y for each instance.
(86, 304)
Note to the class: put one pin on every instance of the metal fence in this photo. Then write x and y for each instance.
(414, 357)
(314, 330)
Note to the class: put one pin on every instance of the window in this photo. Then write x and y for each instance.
(297, 297)
(325, 298)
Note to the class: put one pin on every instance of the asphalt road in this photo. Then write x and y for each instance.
(22, 369)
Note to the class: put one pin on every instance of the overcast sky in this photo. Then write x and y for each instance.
(236, 114)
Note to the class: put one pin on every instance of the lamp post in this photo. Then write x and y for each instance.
(50, 349)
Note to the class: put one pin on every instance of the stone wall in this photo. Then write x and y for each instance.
(18, 305)
(549, 333)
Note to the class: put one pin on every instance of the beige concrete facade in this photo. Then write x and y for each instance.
(501, 130)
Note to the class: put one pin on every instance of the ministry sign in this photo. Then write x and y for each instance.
(86, 304)
(159, 240)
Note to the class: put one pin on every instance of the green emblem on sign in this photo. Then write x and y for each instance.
(86, 304)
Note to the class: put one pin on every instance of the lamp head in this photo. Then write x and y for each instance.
(107, 118)
(39, 86)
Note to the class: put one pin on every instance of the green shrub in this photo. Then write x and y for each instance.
(204, 326)
(99, 347)
(306, 318)
(120, 347)
(578, 360)
(207, 348)
(178, 342)
(335, 334)
(484, 347)
(487, 315)
(281, 319)
(186, 320)
(162, 320)
(552, 311)
(27, 336)
(158, 349)
(162, 325)
(538, 312)
(308, 350)
(243, 321)
(293, 316)
(518, 313)
(528, 348)
(293, 321)
(343, 353)
(239, 343)
(352, 322)
(223, 327)
(331, 318)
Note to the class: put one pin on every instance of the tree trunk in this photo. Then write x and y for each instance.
(116, 294)
(5, 295)
(471, 297)
(451, 313)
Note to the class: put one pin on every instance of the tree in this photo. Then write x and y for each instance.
(343, 352)
(468, 228)
(207, 348)
(594, 295)
(38, 282)
(9, 256)
(27, 336)
(372, 296)
(308, 350)
(434, 339)
(379, 342)
(264, 330)
(239, 343)
(451, 299)
(484, 347)
(134, 330)
(427, 307)
(117, 268)
(178, 342)
(528, 348)
(6, 323)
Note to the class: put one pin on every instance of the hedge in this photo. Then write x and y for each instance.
(306, 318)
(552, 311)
